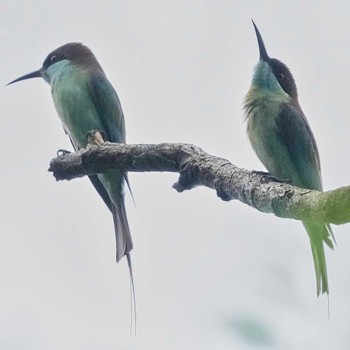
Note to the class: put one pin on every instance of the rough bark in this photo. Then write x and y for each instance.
(198, 168)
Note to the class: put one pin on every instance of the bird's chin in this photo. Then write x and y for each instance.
(46, 77)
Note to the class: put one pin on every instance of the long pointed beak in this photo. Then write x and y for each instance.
(263, 53)
(36, 74)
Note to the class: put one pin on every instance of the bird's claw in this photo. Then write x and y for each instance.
(96, 137)
(267, 176)
(62, 152)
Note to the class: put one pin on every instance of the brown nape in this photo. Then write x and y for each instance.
(74, 52)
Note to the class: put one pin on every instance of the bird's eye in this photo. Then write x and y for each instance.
(282, 76)
(53, 58)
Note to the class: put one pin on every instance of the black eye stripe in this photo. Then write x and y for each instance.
(284, 77)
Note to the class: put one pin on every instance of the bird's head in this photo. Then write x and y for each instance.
(272, 74)
(69, 54)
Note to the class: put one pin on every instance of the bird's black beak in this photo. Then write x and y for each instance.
(263, 53)
(36, 74)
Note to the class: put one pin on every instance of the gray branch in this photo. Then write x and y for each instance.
(198, 168)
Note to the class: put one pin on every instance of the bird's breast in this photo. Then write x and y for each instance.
(261, 113)
(75, 106)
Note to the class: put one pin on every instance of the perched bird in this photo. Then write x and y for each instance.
(283, 141)
(85, 100)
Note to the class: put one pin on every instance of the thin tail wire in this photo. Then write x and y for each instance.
(133, 313)
(329, 310)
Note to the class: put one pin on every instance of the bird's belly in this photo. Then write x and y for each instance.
(78, 115)
(268, 146)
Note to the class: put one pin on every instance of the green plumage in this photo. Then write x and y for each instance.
(85, 100)
(283, 141)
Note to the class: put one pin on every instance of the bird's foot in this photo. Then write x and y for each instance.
(266, 176)
(62, 152)
(96, 137)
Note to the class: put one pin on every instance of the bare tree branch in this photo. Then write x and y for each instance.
(198, 168)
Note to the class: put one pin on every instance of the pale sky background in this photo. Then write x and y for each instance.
(208, 274)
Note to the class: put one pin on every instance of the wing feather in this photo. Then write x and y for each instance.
(293, 128)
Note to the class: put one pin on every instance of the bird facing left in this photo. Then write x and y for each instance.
(85, 100)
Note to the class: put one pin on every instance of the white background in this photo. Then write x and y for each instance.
(208, 274)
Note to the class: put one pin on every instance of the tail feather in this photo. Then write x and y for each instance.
(328, 237)
(113, 186)
(122, 232)
(320, 267)
(319, 233)
(123, 247)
